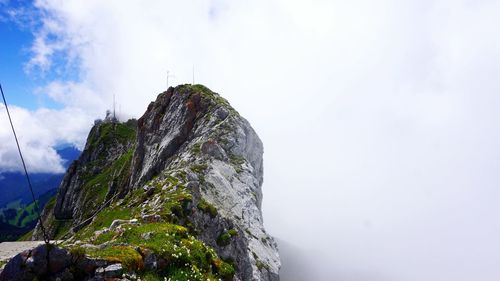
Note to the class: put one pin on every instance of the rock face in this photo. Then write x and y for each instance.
(196, 127)
(93, 179)
(103, 148)
(190, 140)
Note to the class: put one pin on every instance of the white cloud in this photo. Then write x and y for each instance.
(378, 117)
(38, 133)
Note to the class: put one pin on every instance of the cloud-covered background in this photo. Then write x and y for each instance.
(380, 119)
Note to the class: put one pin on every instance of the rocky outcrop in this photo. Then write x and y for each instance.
(38, 264)
(193, 128)
(54, 263)
(101, 171)
(193, 161)
(107, 142)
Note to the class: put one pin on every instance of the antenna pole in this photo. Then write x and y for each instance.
(168, 76)
(114, 107)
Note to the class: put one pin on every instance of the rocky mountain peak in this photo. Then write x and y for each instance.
(190, 167)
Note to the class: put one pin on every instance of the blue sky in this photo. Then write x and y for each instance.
(14, 53)
(20, 83)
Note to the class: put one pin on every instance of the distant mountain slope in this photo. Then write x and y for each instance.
(17, 211)
(16, 218)
(13, 186)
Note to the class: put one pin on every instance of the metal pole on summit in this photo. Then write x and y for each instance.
(168, 76)
(37, 207)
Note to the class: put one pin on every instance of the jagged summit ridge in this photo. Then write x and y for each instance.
(193, 125)
(190, 160)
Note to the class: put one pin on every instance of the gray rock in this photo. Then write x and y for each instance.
(131, 276)
(66, 275)
(99, 271)
(88, 265)
(222, 113)
(147, 235)
(14, 270)
(212, 148)
(89, 246)
(59, 259)
(103, 245)
(38, 263)
(100, 232)
(150, 260)
(113, 271)
(151, 218)
(117, 223)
